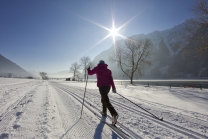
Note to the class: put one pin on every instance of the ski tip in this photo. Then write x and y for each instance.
(161, 119)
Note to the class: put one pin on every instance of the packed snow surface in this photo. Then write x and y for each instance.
(52, 109)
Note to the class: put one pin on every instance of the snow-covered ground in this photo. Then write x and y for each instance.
(52, 109)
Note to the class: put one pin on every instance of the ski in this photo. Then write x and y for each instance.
(115, 128)
(118, 130)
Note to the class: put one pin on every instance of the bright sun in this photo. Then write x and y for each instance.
(114, 32)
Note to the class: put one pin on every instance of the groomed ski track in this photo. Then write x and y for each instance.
(73, 91)
(126, 134)
(52, 109)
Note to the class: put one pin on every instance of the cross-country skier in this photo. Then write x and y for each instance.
(104, 83)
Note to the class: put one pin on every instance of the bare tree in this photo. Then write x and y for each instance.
(132, 56)
(198, 35)
(74, 68)
(44, 75)
(85, 62)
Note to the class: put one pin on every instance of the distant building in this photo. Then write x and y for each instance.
(68, 79)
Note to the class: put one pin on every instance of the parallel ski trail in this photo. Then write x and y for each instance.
(70, 115)
(172, 126)
(89, 106)
(165, 124)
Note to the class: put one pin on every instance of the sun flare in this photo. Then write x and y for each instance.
(113, 32)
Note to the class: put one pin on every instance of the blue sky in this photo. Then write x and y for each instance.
(49, 35)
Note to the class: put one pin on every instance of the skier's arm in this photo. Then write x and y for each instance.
(111, 81)
(91, 72)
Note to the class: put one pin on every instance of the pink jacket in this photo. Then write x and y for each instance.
(104, 75)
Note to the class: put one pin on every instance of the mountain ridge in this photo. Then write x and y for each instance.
(11, 69)
(166, 54)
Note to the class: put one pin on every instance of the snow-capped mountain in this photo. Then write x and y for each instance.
(9, 68)
(167, 54)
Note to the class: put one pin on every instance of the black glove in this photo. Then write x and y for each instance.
(88, 68)
(114, 90)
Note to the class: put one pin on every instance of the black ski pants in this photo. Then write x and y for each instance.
(104, 90)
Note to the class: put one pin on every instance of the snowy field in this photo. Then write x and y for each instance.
(51, 109)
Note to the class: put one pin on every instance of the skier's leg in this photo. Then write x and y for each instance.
(109, 105)
(104, 112)
(104, 90)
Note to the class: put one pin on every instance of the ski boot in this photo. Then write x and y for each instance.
(115, 117)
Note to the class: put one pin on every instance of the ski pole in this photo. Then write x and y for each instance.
(84, 96)
(142, 108)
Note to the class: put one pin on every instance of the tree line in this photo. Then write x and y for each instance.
(76, 67)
